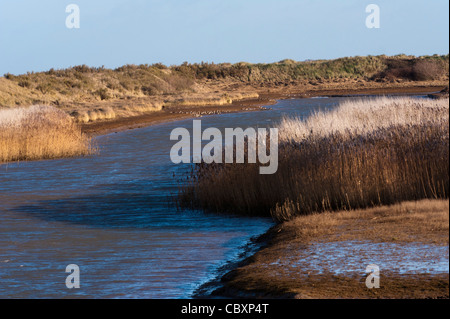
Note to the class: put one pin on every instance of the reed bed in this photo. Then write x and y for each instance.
(40, 132)
(363, 154)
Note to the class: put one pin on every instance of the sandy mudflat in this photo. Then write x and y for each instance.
(326, 255)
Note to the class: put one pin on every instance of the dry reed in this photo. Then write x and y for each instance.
(40, 132)
(363, 154)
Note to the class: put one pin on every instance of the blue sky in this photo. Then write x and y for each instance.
(34, 37)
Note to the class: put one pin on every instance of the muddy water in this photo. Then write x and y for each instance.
(109, 214)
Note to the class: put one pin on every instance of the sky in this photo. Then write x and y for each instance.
(112, 33)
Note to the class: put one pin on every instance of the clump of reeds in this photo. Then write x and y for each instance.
(40, 132)
(359, 117)
(363, 154)
(85, 116)
(215, 99)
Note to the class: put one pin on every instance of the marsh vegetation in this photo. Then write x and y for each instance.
(40, 132)
(363, 154)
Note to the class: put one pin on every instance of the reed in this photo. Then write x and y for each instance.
(364, 154)
(40, 132)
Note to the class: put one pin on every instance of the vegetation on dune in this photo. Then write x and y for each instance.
(374, 152)
(368, 68)
(97, 84)
(83, 83)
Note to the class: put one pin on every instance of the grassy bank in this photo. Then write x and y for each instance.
(94, 94)
(363, 154)
(40, 132)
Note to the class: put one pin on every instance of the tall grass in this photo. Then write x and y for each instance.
(40, 132)
(361, 117)
(363, 154)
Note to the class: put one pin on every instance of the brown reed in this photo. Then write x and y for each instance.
(353, 166)
(40, 132)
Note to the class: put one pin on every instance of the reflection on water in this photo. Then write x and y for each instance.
(110, 215)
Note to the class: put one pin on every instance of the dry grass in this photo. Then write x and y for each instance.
(95, 94)
(40, 132)
(212, 99)
(362, 117)
(425, 221)
(95, 112)
(365, 154)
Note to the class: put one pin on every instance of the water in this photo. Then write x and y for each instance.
(110, 215)
(347, 257)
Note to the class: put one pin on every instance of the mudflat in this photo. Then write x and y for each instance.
(326, 255)
(173, 113)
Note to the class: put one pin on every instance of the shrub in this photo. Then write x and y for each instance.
(424, 70)
(103, 94)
